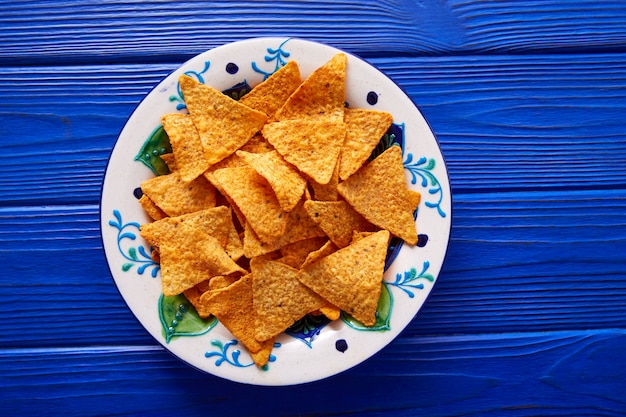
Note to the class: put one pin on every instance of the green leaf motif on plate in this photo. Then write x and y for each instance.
(383, 314)
(157, 144)
(179, 318)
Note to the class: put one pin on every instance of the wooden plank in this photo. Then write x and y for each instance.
(74, 115)
(138, 31)
(532, 122)
(570, 373)
(516, 262)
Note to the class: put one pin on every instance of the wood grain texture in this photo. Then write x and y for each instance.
(139, 31)
(553, 261)
(504, 123)
(527, 99)
(509, 374)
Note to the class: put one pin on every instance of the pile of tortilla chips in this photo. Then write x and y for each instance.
(271, 210)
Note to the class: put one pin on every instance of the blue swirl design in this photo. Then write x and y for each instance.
(422, 169)
(195, 74)
(406, 281)
(274, 55)
(136, 256)
(224, 354)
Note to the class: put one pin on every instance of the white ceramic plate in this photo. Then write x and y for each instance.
(313, 349)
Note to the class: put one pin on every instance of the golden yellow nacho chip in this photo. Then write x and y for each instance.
(223, 124)
(262, 357)
(151, 209)
(193, 295)
(312, 145)
(414, 199)
(279, 298)
(216, 221)
(297, 252)
(258, 144)
(364, 129)
(190, 257)
(176, 197)
(285, 180)
(170, 161)
(378, 192)
(360, 235)
(234, 245)
(331, 312)
(234, 308)
(323, 93)
(299, 227)
(231, 161)
(222, 281)
(255, 199)
(291, 261)
(337, 219)
(351, 278)
(187, 147)
(326, 249)
(272, 93)
(326, 192)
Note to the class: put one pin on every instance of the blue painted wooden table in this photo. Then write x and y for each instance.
(528, 100)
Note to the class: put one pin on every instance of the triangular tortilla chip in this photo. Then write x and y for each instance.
(190, 257)
(187, 147)
(312, 145)
(337, 219)
(299, 227)
(285, 180)
(255, 199)
(234, 308)
(194, 293)
(328, 248)
(170, 161)
(151, 209)
(231, 161)
(414, 199)
(222, 281)
(365, 128)
(216, 221)
(323, 93)
(279, 298)
(378, 192)
(176, 197)
(351, 277)
(223, 124)
(326, 192)
(258, 144)
(360, 235)
(297, 252)
(331, 312)
(272, 93)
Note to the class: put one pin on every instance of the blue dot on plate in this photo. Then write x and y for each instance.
(232, 68)
(422, 240)
(341, 345)
(372, 97)
(137, 193)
